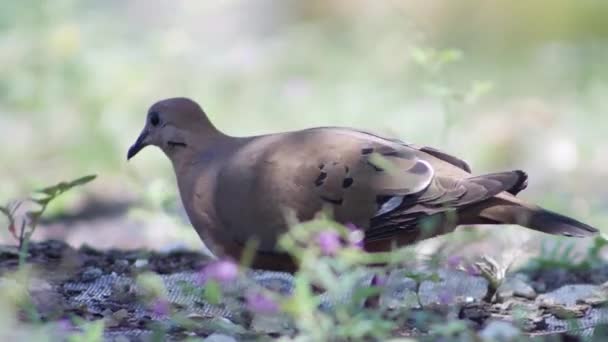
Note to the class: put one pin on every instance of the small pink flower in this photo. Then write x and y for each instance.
(445, 298)
(379, 280)
(329, 242)
(472, 270)
(454, 261)
(161, 307)
(65, 325)
(223, 271)
(261, 303)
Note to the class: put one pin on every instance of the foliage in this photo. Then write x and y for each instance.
(91, 332)
(43, 197)
(434, 63)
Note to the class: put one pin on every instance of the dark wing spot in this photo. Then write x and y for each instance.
(419, 168)
(320, 178)
(176, 143)
(332, 201)
(367, 150)
(391, 154)
(347, 182)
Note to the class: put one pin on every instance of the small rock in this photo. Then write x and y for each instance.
(399, 292)
(120, 314)
(569, 294)
(121, 338)
(10, 252)
(121, 265)
(516, 286)
(594, 301)
(91, 274)
(54, 248)
(219, 338)
(455, 287)
(139, 263)
(563, 311)
(500, 331)
(47, 301)
(123, 292)
(114, 319)
(476, 312)
(270, 324)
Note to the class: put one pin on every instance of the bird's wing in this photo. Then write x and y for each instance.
(444, 195)
(448, 158)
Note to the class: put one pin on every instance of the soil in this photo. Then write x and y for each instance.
(57, 263)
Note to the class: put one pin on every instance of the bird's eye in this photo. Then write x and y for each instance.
(154, 118)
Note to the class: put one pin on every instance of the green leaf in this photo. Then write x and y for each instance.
(449, 56)
(213, 292)
(364, 293)
(43, 201)
(421, 56)
(91, 332)
(478, 89)
(249, 252)
(302, 303)
(152, 285)
(53, 190)
(82, 181)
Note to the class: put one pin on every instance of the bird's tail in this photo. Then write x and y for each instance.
(507, 209)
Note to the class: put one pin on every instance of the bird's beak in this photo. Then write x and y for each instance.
(140, 143)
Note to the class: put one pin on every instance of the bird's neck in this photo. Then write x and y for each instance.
(200, 149)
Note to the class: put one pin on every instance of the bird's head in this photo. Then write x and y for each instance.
(175, 125)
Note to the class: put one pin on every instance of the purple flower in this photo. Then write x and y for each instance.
(329, 242)
(453, 261)
(379, 280)
(223, 271)
(65, 325)
(161, 307)
(261, 303)
(355, 236)
(445, 298)
(472, 270)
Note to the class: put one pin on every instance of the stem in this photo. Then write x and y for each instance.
(23, 248)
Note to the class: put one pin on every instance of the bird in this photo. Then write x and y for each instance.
(235, 189)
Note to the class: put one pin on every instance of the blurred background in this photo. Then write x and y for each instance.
(503, 84)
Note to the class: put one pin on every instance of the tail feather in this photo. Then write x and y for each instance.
(507, 209)
(553, 223)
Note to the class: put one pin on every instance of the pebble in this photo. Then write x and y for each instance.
(500, 331)
(91, 274)
(455, 287)
(219, 338)
(139, 263)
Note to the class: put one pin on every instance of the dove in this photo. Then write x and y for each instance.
(235, 189)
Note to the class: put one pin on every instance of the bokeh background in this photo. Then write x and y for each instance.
(503, 84)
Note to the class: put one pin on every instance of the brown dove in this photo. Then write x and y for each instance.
(238, 188)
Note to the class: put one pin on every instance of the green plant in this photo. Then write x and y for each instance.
(91, 331)
(42, 198)
(559, 254)
(434, 63)
(336, 291)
